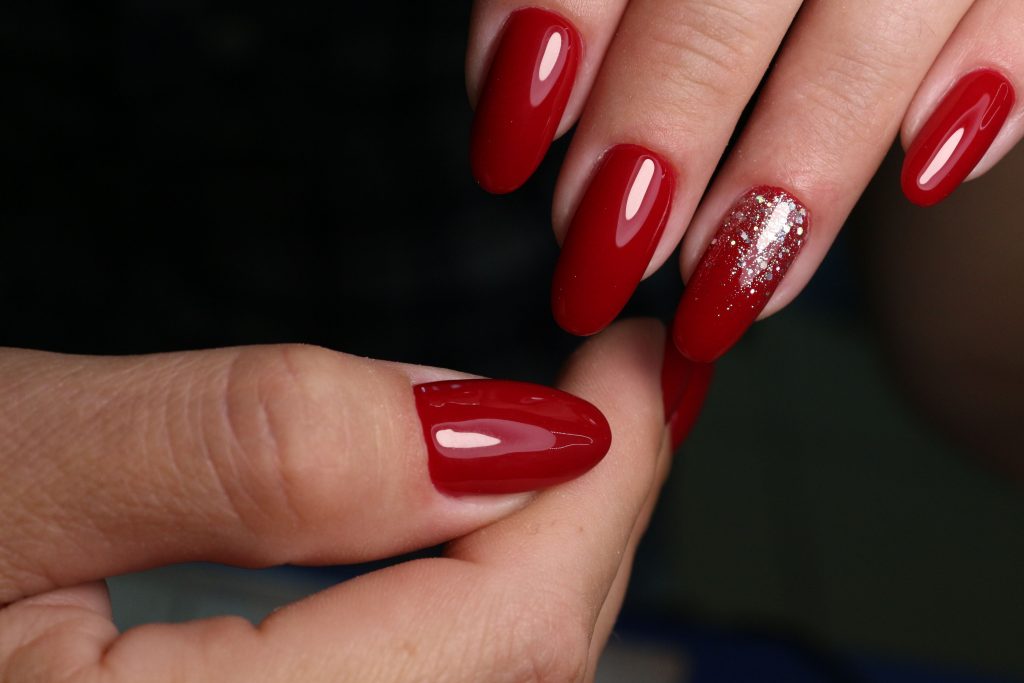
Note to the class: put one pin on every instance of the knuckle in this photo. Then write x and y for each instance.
(48, 657)
(855, 89)
(542, 640)
(696, 46)
(267, 438)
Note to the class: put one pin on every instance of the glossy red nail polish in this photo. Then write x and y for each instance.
(675, 376)
(523, 98)
(611, 239)
(491, 436)
(747, 258)
(690, 403)
(956, 136)
(684, 385)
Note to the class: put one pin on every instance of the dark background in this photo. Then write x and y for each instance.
(194, 174)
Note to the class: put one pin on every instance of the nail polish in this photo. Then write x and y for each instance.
(690, 403)
(676, 370)
(956, 136)
(611, 238)
(492, 436)
(684, 386)
(523, 98)
(742, 266)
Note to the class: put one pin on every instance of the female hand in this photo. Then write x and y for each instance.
(658, 87)
(271, 455)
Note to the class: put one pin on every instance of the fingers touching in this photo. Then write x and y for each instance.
(261, 456)
(525, 596)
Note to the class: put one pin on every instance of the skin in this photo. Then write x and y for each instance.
(281, 454)
(294, 454)
(674, 76)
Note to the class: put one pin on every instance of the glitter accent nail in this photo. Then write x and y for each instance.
(743, 265)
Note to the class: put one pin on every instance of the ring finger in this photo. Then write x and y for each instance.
(828, 114)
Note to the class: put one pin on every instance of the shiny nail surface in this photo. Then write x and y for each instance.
(757, 242)
(523, 98)
(956, 136)
(675, 376)
(690, 404)
(492, 436)
(611, 239)
(684, 386)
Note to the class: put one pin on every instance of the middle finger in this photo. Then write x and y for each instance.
(674, 83)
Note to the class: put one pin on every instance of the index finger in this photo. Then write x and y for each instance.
(566, 546)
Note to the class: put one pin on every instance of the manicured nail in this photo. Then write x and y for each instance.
(523, 98)
(956, 136)
(675, 377)
(490, 436)
(611, 239)
(684, 386)
(746, 260)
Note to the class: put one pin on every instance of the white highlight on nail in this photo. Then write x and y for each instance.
(639, 189)
(942, 157)
(775, 227)
(550, 58)
(449, 438)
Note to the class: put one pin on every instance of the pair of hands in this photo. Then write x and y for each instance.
(268, 455)
(264, 456)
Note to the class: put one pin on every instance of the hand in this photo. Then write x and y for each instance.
(658, 87)
(271, 455)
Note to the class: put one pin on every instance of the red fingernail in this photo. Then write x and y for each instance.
(684, 384)
(523, 98)
(746, 260)
(612, 238)
(956, 136)
(491, 436)
(675, 376)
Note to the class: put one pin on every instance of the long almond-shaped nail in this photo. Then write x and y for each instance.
(523, 98)
(956, 136)
(684, 386)
(747, 258)
(611, 239)
(492, 436)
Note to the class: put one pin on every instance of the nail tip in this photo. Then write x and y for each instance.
(577, 328)
(691, 403)
(492, 183)
(690, 347)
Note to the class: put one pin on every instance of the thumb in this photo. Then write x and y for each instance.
(260, 456)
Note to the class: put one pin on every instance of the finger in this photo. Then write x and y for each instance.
(674, 83)
(50, 636)
(496, 614)
(261, 456)
(965, 118)
(684, 385)
(825, 120)
(528, 71)
(562, 553)
(609, 612)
